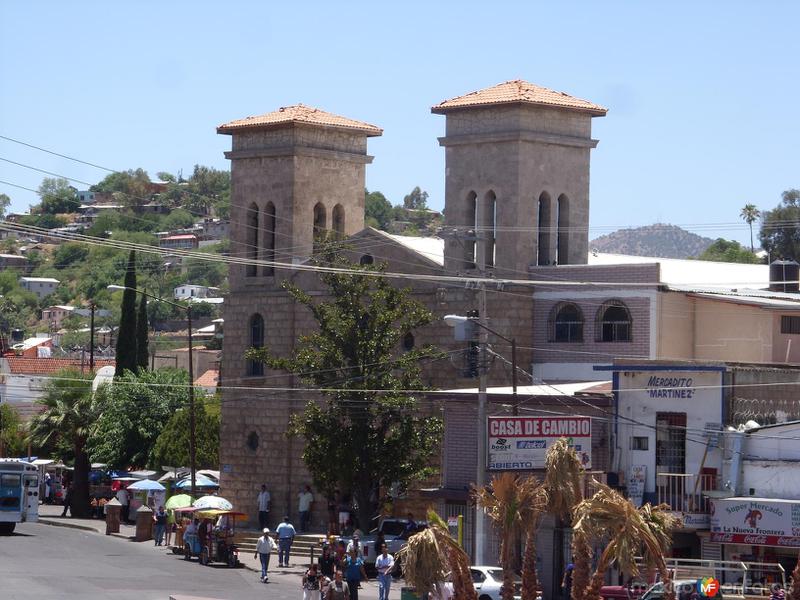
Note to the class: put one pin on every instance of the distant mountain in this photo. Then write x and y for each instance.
(661, 240)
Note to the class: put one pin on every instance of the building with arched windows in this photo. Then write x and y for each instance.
(516, 210)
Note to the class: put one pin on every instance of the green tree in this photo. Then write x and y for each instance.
(377, 210)
(132, 188)
(5, 202)
(141, 335)
(750, 215)
(416, 199)
(136, 407)
(209, 188)
(359, 439)
(69, 416)
(126, 337)
(779, 234)
(57, 196)
(728, 251)
(12, 432)
(178, 219)
(172, 445)
(106, 221)
(70, 253)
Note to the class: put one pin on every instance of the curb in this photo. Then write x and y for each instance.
(55, 523)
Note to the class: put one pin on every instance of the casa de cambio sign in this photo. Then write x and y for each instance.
(755, 521)
(521, 443)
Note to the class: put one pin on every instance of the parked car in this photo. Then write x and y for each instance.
(632, 591)
(489, 580)
(395, 534)
(685, 589)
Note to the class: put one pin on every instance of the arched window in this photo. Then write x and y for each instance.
(338, 221)
(562, 244)
(366, 260)
(566, 323)
(488, 227)
(471, 223)
(543, 256)
(255, 368)
(320, 221)
(408, 342)
(251, 235)
(269, 237)
(614, 322)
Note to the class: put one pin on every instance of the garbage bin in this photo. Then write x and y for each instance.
(144, 523)
(113, 511)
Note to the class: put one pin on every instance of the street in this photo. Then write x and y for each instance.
(42, 561)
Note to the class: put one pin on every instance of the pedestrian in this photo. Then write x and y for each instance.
(305, 500)
(67, 500)
(124, 499)
(311, 583)
(384, 564)
(355, 544)
(263, 502)
(411, 525)
(160, 519)
(48, 483)
(344, 514)
(338, 589)
(566, 582)
(354, 573)
(333, 509)
(286, 535)
(264, 547)
(340, 555)
(327, 561)
(172, 526)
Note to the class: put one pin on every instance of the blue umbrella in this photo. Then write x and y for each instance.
(199, 481)
(146, 485)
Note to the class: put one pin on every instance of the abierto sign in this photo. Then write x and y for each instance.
(521, 443)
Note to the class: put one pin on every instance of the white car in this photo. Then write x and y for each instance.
(489, 580)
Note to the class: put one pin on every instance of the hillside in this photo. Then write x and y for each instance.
(661, 239)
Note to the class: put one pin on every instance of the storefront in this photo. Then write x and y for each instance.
(757, 530)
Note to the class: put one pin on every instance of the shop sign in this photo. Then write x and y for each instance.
(521, 443)
(695, 520)
(636, 480)
(755, 521)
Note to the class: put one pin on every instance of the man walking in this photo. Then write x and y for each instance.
(354, 573)
(264, 500)
(264, 547)
(160, 519)
(124, 500)
(67, 500)
(384, 565)
(305, 500)
(286, 535)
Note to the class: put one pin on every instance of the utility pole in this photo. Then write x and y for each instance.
(192, 464)
(480, 476)
(91, 337)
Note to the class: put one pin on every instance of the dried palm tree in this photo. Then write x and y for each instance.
(562, 484)
(533, 511)
(662, 522)
(432, 554)
(627, 532)
(794, 586)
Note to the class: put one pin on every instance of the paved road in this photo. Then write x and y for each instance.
(55, 563)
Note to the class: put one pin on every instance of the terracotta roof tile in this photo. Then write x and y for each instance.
(299, 113)
(18, 365)
(208, 379)
(519, 92)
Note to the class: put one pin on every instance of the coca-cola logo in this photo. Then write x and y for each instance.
(755, 539)
(788, 541)
(723, 537)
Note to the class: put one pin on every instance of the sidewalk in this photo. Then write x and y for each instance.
(291, 575)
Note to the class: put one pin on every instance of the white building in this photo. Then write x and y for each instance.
(41, 286)
(186, 291)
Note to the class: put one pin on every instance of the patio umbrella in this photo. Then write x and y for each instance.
(212, 502)
(178, 501)
(200, 482)
(146, 485)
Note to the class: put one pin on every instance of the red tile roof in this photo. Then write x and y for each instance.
(299, 113)
(208, 379)
(519, 92)
(18, 365)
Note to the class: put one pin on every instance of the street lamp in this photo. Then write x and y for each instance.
(188, 309)
(465, 331)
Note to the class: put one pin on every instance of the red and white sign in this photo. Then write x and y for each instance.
(755, 521)
(521, 443)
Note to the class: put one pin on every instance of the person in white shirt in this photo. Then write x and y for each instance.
(384, 564)
(264, 547)
(305, 500)
(124, 500)
(355, 544)
(264, 500)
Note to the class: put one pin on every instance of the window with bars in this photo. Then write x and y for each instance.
(790, 324)
(566, 324)
(614, 322)
(670, 442)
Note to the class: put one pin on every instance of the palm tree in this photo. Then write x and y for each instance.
(69, 415)
(532, 514)
(507, 501)
(430, 555)
(563, 487)
(626, 531)
(750, 215)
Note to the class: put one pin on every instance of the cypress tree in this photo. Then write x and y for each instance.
(141, 335)
(126, 336)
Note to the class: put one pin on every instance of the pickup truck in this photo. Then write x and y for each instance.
(395, 533)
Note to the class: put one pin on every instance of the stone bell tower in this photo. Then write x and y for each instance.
(517, 178)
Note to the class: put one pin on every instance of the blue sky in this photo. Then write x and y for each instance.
(702, 96)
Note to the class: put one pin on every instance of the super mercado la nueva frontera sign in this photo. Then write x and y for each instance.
(521, 443)
(755, 521)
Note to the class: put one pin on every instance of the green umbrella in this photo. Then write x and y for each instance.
(178, 501)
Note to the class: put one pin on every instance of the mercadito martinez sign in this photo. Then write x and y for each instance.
(521, 443)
